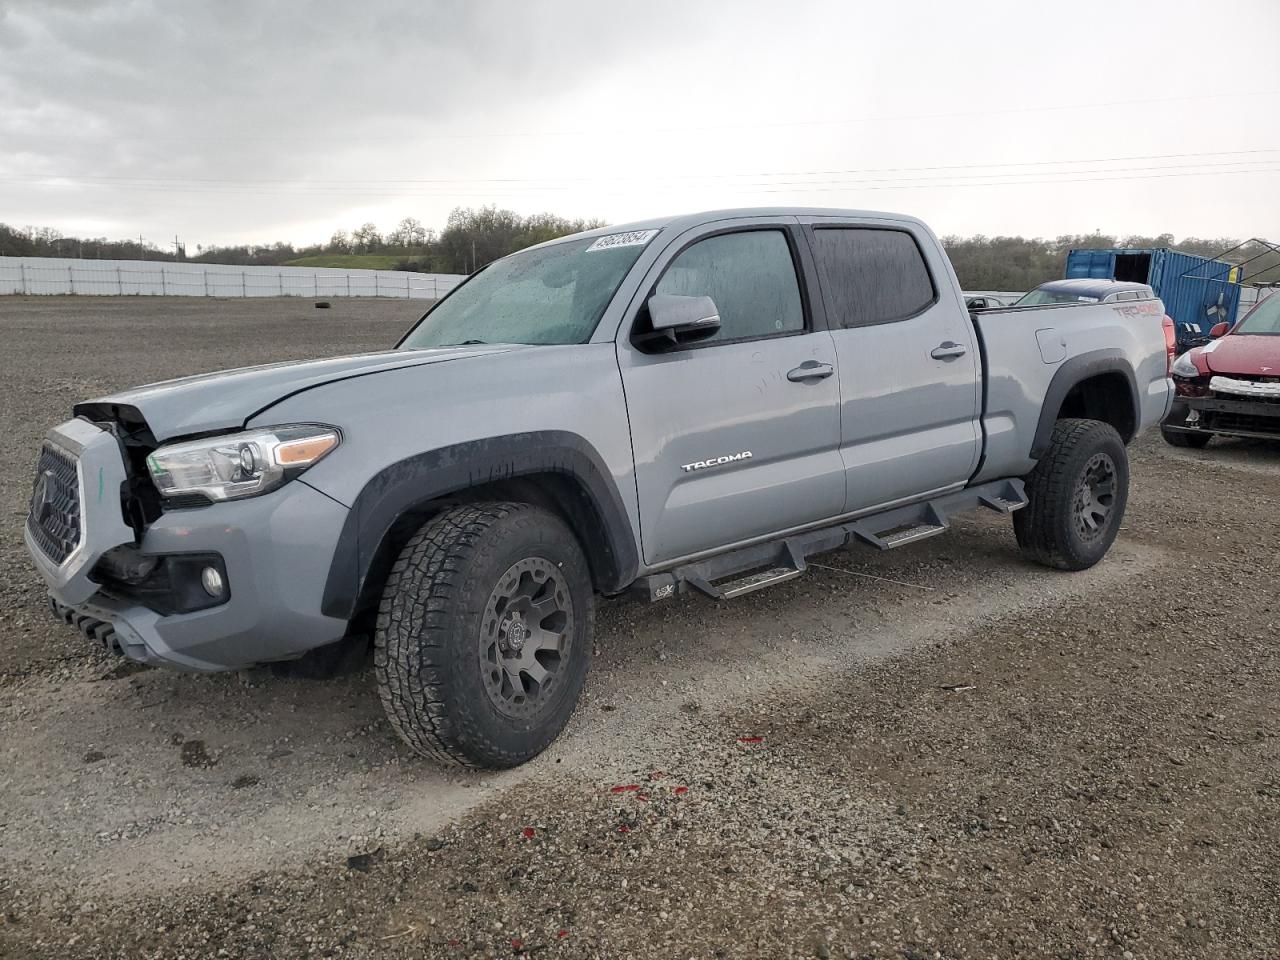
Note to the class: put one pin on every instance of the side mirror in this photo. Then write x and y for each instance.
(1219, 330)
(675, 321)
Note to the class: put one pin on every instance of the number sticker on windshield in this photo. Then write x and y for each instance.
(636, 238)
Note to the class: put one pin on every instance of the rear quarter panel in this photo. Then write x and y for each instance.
(1024, 348)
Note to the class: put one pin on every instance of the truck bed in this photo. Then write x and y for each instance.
(1025, 349)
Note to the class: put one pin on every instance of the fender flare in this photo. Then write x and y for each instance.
(1072, 373)
(414, 481)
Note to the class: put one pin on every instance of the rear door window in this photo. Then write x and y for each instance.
(872, 275)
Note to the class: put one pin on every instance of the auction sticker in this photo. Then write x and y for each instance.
(635, 238)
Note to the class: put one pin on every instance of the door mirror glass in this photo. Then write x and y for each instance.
(1219, 330)
(676, 320)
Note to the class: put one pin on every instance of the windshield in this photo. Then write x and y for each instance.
(546, 295)
(1038, 297)
(1263, 319)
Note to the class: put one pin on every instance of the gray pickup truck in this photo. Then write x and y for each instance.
(692, 403)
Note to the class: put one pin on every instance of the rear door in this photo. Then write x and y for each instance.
(735, 437)
(907, 354)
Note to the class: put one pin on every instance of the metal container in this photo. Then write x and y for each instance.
(1197, 292)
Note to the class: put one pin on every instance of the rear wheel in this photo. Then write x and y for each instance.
(1077, 495)
(1181, 438)
(483, 635)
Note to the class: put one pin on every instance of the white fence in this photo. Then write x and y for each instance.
(147, 278)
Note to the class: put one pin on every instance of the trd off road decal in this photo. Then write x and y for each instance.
(1138, 309)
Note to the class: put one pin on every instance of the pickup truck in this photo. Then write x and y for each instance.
(697, 403)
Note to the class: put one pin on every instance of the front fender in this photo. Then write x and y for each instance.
(596, 511)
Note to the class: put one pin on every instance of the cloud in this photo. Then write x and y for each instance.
(235, 120)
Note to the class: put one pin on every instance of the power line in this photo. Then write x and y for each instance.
(1018, 183)
(94, 178)
(802, 187)
(743, 125)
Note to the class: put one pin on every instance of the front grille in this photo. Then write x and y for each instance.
(1243, 421)
(1245, 386)
(54, 520)
(1223, 395)
(1253, 377)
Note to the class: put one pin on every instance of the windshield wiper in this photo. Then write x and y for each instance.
(465, 343)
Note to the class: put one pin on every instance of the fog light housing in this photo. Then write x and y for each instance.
(211, 580)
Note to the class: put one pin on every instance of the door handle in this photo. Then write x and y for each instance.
(948, 350)
(810, 370)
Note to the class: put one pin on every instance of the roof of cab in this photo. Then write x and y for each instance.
(684, 221)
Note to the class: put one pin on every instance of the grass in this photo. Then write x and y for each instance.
(350, 261)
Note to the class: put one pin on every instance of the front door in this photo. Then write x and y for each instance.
(735, 437)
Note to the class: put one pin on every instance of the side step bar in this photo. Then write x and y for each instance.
(757, 581)
(753, 568)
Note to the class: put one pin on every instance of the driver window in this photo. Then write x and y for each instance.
(750, 276)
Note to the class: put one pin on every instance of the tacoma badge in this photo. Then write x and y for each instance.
(715, 461)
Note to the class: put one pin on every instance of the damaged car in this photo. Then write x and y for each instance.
(1231, 386)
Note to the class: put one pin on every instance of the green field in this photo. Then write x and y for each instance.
(350, 261)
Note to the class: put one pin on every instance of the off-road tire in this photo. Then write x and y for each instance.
(1180, 438)
(427, 644)
(1048, 529)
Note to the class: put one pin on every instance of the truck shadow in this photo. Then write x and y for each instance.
(154, 773)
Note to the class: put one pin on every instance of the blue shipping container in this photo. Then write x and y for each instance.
(1197, 292)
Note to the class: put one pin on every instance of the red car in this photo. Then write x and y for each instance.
(1230, 387)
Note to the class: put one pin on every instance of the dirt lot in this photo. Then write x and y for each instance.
(939, 752)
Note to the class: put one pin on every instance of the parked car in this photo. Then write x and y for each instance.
(695, 403)
(1231, 386)
(1085, 291)
(983, 302)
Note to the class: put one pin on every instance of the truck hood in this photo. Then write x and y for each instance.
(1249, 354)
(225, 400)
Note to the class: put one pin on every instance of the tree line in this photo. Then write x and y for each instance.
(471, 238)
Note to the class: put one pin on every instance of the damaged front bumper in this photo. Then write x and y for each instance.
(263, 548)
(1258, 418)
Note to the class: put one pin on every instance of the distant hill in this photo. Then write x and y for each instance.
(350, 261)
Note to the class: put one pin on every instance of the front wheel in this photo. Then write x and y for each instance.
(1181, 438)
(1077, 495)
(484, 634)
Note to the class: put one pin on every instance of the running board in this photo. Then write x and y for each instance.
(756, 581)
(761, 565)
(906, 535)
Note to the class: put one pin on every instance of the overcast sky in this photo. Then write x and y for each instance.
(227, 122)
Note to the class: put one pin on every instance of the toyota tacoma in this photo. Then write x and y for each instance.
(696, 403)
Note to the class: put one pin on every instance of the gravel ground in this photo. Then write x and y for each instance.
(939, 752)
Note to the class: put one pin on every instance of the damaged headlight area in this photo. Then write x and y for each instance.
(1185, 367)
(239, 465)
(1187, 379)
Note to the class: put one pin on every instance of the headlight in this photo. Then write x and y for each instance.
(240, 464)
(1184, 367)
